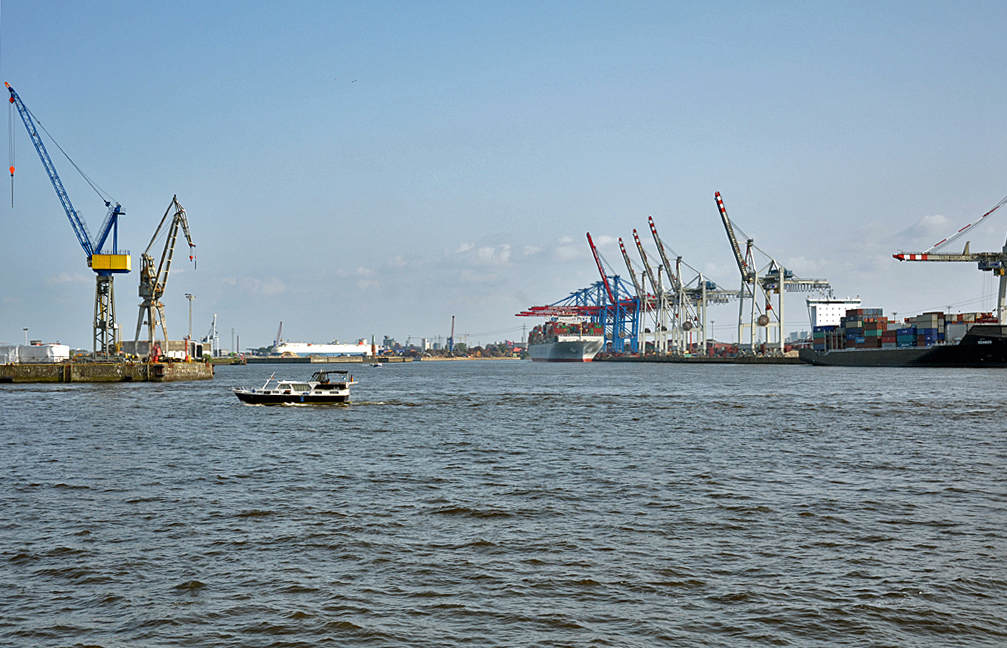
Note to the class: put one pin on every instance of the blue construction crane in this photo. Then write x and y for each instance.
(105, 263)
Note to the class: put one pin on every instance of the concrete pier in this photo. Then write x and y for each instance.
(105, 372)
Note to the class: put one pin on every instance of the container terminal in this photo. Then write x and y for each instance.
(660, 314)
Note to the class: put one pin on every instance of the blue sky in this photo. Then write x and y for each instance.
(358, 169)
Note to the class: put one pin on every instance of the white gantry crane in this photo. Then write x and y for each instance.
(643, 299)
(758, 287)
(153, 281)
(660, 308)
(995, 262)
(689, 300)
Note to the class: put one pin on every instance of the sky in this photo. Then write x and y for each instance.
(359, 169)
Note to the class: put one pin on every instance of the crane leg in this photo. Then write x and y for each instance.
(139, 325)
(164, 325)
(105, 338)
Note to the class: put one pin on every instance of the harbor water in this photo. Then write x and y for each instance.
(510, 503)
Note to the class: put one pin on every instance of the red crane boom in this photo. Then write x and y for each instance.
(601, 269)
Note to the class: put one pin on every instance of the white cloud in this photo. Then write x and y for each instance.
(487, 255)
(269, 287)
(358, 272)
(566, 252)
(925, 232)
(68, 278)
(471, 276)
(802, 266)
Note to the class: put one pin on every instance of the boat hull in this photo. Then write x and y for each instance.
(985, 345)
(259, 398)
(575, 350)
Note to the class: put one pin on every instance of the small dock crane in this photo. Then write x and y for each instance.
(152, 281)
(106, 263)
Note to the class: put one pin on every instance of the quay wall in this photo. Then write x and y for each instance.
(105, 372)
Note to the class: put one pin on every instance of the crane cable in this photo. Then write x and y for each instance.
(11, 149)
(10, 146)
(954, 237)
(104, 195)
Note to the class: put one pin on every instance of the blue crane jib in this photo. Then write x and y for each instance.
(101, 261)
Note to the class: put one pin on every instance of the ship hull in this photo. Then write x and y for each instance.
(582, 350)
(291, 399)
(985, 345)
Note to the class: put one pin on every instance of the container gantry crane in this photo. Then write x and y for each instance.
(660, 309)
(995, 262)
(771, 279)
(616, 317)
(152, 281)
(690, 299)
(682, 320)
(105, 263)
(641, 295)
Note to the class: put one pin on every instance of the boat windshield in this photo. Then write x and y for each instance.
(323, 376)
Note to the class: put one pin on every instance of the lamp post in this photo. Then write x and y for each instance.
(188, 342)
(25, 336)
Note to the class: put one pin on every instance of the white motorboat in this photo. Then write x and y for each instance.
(324, 387)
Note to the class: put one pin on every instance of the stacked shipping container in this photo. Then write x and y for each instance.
(868, 328)
(549, 331)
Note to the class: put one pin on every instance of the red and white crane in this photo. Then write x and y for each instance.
(995, 262)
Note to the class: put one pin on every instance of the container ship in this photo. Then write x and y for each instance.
(566, 339)
(866, 338)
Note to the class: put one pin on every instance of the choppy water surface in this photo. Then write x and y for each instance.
(510, 504)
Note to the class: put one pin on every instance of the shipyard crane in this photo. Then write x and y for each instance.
(995, 262)
(152, 281)
(105, 263)
(771, 279)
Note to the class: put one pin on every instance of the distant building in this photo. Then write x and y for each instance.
(798, 337)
